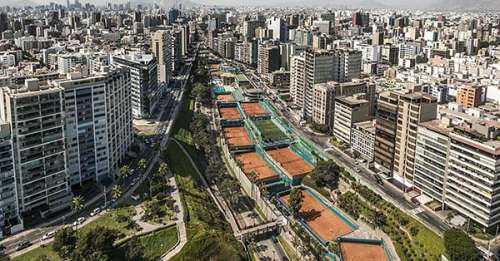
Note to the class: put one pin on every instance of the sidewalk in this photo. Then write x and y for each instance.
(181, 224)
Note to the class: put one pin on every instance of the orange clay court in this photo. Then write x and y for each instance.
(320, 219)
(253, 108)
(230, 113)
(251, 162)
(237, 136)
(352, 251)
(225, 97)
(293, 164)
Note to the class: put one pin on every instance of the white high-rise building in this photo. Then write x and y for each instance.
(98, 121)
(144, 82)
(36, 113)
(161, 48)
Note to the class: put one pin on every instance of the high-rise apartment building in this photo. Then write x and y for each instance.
(471, 185)
(9, 209)
(279, 28)
(144, 82)
(431, 158)
(319, 66)
(324, 95)
(161, 47)
(269, 58)
(471, 95)
(348, 111)
(378, 38)
(98, 122)
(413, 108)
(35, 113)
(385, 130)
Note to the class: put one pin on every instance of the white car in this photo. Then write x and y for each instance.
(48, 235)
(95, 212)
(79, 221)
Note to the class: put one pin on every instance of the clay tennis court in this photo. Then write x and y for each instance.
(236, 136)
(225, 97)
(251, 162)
(354, 251)
(230, 113)
(253, 108)
(326, 224)
(288, 160)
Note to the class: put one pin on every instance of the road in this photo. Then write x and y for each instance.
(169, 107)
(388, 191)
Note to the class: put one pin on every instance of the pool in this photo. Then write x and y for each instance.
(218, 89)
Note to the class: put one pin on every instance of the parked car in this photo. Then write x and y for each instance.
(48, 235)
(95, 212)
(79, 221)
(136, 197)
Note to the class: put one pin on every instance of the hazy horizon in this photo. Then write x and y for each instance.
(406, 4)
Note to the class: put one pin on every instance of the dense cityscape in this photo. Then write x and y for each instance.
(181, 130)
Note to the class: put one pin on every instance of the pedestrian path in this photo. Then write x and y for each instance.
(180, 223)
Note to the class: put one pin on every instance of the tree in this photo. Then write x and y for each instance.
(116, 192)
(296, 199)
(142, 164)
(77, 203)
(326, 173)
(459, 246)
(134, 250)
(124, 172)
(231, 188)
(201, 93)
(95, 244)
(65, 242)
(378, 219)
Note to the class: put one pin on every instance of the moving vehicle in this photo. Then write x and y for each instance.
(22, 245)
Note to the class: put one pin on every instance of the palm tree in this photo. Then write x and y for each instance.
(163, 168)
(116, 192)
(124, 172)
(142, 164)
(77, 203)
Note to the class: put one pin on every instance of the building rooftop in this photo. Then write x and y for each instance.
(351, 100)
(366, 125)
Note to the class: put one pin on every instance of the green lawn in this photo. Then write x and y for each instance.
(108, 220)
(269, 131)
(155, 244)
(158, 243)
(209, 236)
(37, 253)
